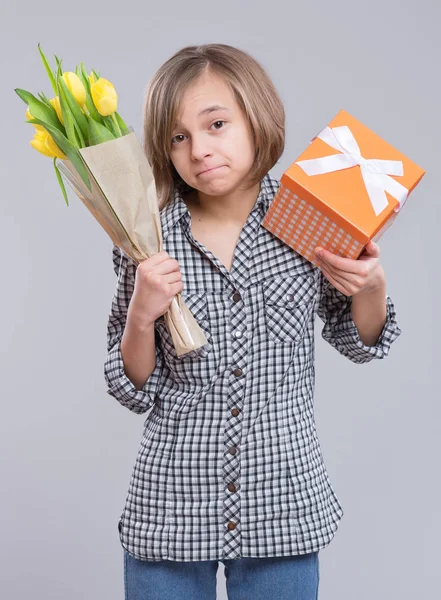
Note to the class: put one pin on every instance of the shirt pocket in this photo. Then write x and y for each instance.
(197, 367)
(197, 304)
(288, 305)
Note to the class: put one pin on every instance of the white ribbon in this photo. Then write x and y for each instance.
(375, 172)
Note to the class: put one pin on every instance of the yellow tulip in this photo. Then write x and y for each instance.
(29, 117)
(39, 143)
(104, 97)
(76, 86)
(56, 104)
(44, 143)
(91, 78)
(52, 147)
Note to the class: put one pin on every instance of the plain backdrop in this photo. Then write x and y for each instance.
(67, 448)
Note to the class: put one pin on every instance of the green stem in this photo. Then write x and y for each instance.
(116, 124)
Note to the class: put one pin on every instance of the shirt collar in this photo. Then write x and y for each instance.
(175, 210)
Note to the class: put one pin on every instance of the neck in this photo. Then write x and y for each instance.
(233, 207)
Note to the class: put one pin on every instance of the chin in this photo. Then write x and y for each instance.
(216, 189)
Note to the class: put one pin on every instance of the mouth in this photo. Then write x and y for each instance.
(209, 170)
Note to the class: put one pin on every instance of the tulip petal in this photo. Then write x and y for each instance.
(52, 147)
(75, 86)
(69, 150)
(41, 147)
(104, 97)
(89, 102)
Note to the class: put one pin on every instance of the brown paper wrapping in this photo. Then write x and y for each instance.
(123, 200)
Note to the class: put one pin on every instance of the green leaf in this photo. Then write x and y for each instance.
(97, 75)
(40, 110)
(77, 114)
(89, 102)
(48, 69)
(69, 150)
(60, 181)
(98, 133)
(93, 111)
(110, 125)
(84, 78)
(78, 131)
(67, 115)
(121, 124)
(84, 70)
(45, 99)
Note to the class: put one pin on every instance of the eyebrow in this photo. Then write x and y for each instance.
(211, 109)
(208, 110)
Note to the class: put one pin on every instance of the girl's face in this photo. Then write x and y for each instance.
(212, 145)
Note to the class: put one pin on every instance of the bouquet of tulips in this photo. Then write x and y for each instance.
(106, 166)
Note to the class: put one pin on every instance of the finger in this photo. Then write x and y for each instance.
(338, 262)
(337, 281)
(158, 257)
(168, 266)
(163, 267)
(335, 272)
(371, 249)
(176, 288)
(352, 279)
(173, 277)
(360, 270)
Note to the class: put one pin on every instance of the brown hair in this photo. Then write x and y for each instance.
(252, 89)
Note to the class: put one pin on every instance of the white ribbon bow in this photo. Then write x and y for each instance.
(375, 172)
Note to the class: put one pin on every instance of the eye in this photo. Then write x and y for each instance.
(215, 123)
(180, 135)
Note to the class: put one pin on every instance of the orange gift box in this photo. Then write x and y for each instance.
(344, 190)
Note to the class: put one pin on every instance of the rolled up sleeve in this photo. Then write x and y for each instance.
(340, 331)
(118, 384)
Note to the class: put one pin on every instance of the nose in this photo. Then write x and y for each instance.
(200, 147)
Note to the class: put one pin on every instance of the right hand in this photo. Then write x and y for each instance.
(157, 281)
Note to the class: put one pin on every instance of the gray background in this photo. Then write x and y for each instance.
(67, 448)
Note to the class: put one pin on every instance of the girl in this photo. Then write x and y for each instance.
(229, 467)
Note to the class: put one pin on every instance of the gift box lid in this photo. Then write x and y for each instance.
(347, 196)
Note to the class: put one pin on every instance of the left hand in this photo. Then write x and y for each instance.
(351, 276)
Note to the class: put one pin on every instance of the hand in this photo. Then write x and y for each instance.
(157, 281)
(349, 276)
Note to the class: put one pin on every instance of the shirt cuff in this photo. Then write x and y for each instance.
(346, 338)
(121, 387)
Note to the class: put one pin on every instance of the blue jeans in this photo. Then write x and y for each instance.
(281, 578)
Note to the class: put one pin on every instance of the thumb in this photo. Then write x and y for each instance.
(372, 250)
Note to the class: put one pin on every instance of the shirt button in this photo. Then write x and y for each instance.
(231, 525)
(290, 297)
(235, 412)
(236, 297)
(238, 333)
(231, 487)
(232, 450)
(237, 372)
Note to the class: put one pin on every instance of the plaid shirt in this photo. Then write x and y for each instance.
(229, 464)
